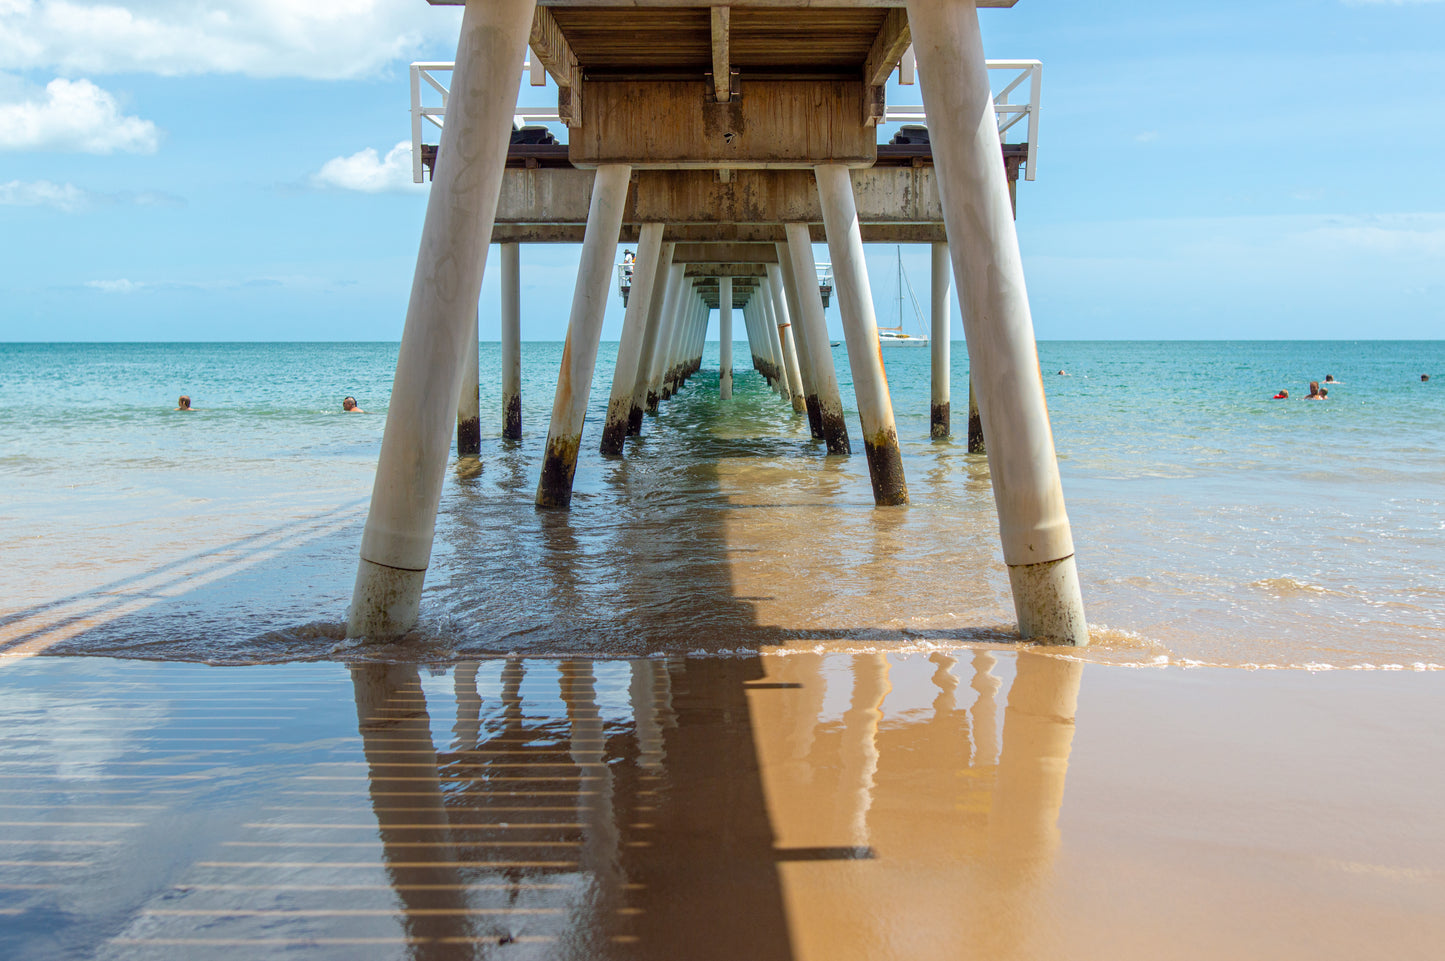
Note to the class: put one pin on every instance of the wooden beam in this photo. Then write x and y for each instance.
(725, 270)
(882, 195)
(721, 66)
(713, 233)
(679, 124)
(724, 253)
(892, 40)
(552, 49)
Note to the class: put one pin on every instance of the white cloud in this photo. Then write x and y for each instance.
(71, 199)
(125, 285)
(43, 193)
(1401, 236)
(324, 39)
(368, 172)
(74, 115)
(121, 286)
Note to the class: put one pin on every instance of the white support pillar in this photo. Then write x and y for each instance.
(751, 334)
(860, 327)
(1038, 545)
(684, 369)
(767, 335)
(685, 357)
(768, 309)
(684, 344)
(699, 341)
(511, 335)
(725, 339)
(634, 331)
(664, 336)
(396, 543)
(696, 338)
(800, 339)
(667, 384)
(584, 330)
(469, 403)
(669, 346)
(784, 321)
(755, 346)
(655, 313)
(938, 415)
(810, 316)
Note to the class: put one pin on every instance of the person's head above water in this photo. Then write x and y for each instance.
(1329, 378)
(348, 404)
(183, 402)
(1282, 395)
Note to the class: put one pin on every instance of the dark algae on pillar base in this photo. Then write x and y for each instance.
(885, 467)
(939, 426)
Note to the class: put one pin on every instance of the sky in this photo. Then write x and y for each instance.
(1208, 169)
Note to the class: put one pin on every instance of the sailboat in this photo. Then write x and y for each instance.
(896, 335)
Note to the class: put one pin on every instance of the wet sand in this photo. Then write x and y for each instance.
(983, 803)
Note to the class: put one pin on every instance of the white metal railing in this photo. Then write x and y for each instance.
(825, 280)
(1008, 112)
(425, 78)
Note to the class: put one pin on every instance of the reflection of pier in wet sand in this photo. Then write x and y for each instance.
(806, 805)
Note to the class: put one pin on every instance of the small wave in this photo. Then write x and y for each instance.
(1291, 587)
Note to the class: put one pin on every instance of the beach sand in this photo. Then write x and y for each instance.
(982, 803)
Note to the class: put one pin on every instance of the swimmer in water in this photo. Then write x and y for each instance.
(1330, 379)
(1314, 391)
(1063, 373)
(1282, 395)
(349, 406)
(1324, 393)
(183, 402)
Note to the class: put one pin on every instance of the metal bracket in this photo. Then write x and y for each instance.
(735, 90)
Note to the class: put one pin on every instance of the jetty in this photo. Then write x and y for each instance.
(721, 140)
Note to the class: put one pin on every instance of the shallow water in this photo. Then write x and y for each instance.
(799, 806)
(1213, 525)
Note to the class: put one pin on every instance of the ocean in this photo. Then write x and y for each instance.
(724, 707)
(1214, 525)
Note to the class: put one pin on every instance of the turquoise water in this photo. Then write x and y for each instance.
(1213, 524)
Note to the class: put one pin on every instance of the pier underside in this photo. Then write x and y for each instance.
(723, 141)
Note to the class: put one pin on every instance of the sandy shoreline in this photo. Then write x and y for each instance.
(979, 804)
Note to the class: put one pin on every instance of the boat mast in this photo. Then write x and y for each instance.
(898, 249)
